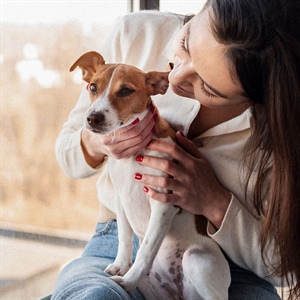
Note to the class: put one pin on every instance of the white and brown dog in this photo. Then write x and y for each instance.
(175, 260)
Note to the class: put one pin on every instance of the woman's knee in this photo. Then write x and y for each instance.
(248, 286)
(84, 278)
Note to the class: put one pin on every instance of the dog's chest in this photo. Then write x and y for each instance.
(129, 193)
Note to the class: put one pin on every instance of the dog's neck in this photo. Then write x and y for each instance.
(163, 129)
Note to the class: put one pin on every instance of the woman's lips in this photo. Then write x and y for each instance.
(182, 91)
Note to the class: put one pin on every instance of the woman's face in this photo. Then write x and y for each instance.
(200, 68)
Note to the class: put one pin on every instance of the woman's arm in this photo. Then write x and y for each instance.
(239, 236)
(195, 188)
(68, 148)
(193, 184)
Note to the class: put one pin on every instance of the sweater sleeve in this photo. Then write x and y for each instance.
(68, 144)
(68, 149)
(130, 41)
(239, 236)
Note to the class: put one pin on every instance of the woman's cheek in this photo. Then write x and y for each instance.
(174, 75)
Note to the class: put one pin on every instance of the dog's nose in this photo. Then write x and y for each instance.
(95, 119)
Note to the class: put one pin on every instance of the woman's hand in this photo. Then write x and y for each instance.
(192, 182)
(122, 143)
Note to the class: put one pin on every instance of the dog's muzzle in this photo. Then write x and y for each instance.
(96, 120)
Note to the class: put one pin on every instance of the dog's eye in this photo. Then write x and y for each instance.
(124, 92)
(93, 88)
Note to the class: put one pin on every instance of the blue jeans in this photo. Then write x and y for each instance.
(84, 277)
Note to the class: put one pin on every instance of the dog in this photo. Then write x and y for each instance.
(175, 259)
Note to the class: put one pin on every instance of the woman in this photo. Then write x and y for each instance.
(238, 163)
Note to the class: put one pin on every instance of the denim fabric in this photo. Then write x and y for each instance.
(245, 285)
(105, 241)
(84, 278)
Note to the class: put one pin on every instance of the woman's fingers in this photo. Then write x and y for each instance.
(184, 153)
(132, 147)
(131, 131)
(170, 198)
(168, 183)
(165, 165)
(127, 141)
(183, 171)
(187, 145)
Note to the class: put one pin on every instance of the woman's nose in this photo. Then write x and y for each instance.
(182, 71)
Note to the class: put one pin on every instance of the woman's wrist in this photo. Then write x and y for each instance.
(93, 159)
(217, 210)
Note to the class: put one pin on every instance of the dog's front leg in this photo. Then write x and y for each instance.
(123, 260)
(159, 225)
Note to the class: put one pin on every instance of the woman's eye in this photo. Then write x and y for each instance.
(184, 45)
(205, 91)
(124, 92)
(93, 88)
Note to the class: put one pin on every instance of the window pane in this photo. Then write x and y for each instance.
(46, 217)
(181, 7)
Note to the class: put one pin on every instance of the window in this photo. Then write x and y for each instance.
(181, 7)
(46, 217)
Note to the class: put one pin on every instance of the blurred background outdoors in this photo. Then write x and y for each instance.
(45, 214)
(40, 40)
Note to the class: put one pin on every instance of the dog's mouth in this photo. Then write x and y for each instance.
(95, 130)
(101, 127)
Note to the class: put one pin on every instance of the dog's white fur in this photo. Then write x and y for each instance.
(174, 261)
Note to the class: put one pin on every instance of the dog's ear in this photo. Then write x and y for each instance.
(157, 82)
(88, 63)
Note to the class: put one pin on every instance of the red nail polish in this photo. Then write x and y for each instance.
(87, 87)
(180, 132)
(146, 190)
(139, 158)
(138, 176)
(152, 109)
(135, 121)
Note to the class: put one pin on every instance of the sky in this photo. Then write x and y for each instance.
(87, 12)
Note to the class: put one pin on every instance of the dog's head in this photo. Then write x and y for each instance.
(119, 93)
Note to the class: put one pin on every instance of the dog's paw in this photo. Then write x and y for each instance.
(127, 285)
(118, 269)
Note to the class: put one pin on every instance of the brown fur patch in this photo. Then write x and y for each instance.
(201, 224)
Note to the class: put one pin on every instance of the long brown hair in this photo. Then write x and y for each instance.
(263, 49)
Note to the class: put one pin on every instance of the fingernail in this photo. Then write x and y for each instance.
(180, 132)
(146, 190)
(138, 176)
(87, 87)
(135, 121)
(152, 109)
(155, 116)
(139, 158)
